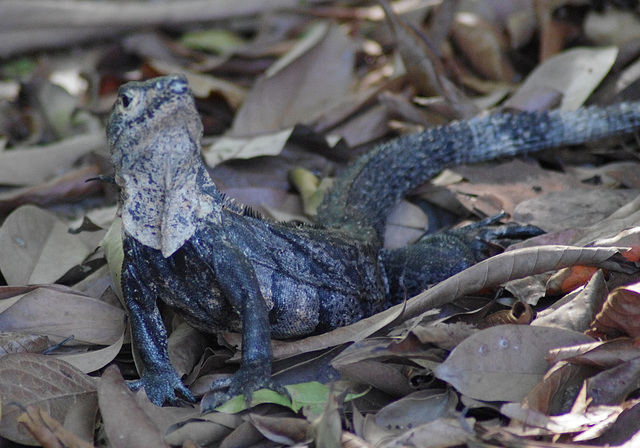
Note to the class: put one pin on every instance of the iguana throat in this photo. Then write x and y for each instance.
(162, 201)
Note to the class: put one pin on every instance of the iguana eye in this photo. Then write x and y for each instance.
(126, 99)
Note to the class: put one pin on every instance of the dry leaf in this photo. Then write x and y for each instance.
(496, 187)
(484, 46)
(599, 354)
(620, 313)
(577, 313)
(19, 342)
(48, 431)
(32, 166)
(125, 422)
(60, 312)
(36, 247)
(571, 206)
(53, 385)
(282, 430)
(444, 432)
(70, 187)
(551, 396)
(416, 409)
(504, 363)
(574, 73)
(424, 67)
(308, 80)
(613, 385)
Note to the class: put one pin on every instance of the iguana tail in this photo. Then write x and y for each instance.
(361, 198)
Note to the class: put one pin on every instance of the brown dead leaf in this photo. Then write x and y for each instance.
(19, 342)
(48, 431)
(561, 424)
(551, 395)
(125, 422)
(484, 46)
(186, 346)
(620, 313)
(32, 166)
(94, 360)
(599, 354)
(569, 207)
(497, 187)
(385, 377)
(312, 77)
(416, 409)
(284, 430)
(569, 279)
(70, 187)
(612, 386)
(504, 363)
(53, 385)
(574, 73)
(444, 432)
(60, 312)
(424, 68)
(36, 247)
(578, 312)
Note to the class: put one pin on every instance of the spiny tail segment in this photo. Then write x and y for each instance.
(363, 195)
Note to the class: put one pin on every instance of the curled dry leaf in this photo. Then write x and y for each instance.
(424, 67)
(53, 385)
(484, 46)
(282, 430)
(577, 312)
(620, 313)
(599, 354)
(48, 431)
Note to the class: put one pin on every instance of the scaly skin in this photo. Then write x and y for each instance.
(222, 267)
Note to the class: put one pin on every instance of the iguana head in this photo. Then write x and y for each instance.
(154, 134)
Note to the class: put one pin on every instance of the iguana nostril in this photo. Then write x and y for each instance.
(178, 85)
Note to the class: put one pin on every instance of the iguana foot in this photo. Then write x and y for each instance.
(489, 237)
(161, 387)
(441, 255)
(245, 381)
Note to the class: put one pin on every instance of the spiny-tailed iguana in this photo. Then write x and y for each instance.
(224, 268)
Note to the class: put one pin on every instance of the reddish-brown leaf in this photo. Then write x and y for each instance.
(620, 313)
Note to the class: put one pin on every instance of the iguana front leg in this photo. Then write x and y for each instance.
(158, 377)
(239, 284)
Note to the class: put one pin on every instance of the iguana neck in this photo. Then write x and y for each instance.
(163, 199)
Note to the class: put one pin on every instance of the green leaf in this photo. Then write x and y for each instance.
(215, 41)
(312, 394)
